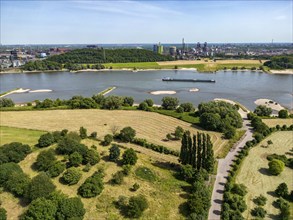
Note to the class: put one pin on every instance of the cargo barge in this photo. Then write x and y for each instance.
(168, 79)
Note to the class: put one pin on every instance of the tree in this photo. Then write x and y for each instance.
(41, 208)
(260, 200)
(71, 208)
(118, 177)
(114, 153)
(239, 189)
(4, 102)
(143, 106)
(262, 110)
(187, 172)
(112, 102)
(229, 132)
(283, 113)
(6, 170)
(83, 132)
(92, 157)
(128, 101)
(94, 135)
(127, 134)
(178, 133)
(13, 152)
(92, 186)
(107, 140)
(187, 107)
(199, 151)
(45, 160)
(136, 206)
(276, 167)
(129, 157)
(211, 121)
(282, 190)
(75, 159)
(46, 140)
(210, 160)
(71, 176)
(180, 109)
(3, 215)
(56, 169)
(17, 183)
(40, 186)
(150, 102)
(170, 103)
(258, 212)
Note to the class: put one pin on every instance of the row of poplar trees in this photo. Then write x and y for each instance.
(197, 151)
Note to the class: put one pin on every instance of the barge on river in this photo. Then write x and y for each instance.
(168, 79)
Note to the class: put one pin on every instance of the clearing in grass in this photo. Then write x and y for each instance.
(255, 176)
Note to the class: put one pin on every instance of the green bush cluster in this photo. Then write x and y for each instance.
(92, 186)
(13, 152)
(5, 102)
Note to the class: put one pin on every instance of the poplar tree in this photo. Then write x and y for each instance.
(204, 151)
(183, 151)
(194, 147)
(189, 148)
(210, 155)
(199, 150)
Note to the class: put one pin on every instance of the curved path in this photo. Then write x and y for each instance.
(224, 166)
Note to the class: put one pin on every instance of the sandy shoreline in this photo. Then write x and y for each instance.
(269, 103)
(163, 92)
(288, 71)
(21, 90)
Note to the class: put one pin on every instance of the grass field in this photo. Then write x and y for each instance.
(149, 125)
(164, 187)
(254, 175)
(278, 121)
(139, 65)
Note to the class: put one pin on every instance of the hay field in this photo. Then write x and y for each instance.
(149, 125)
(165, 188)
(188, 62)
(278, 121)
(254, 175)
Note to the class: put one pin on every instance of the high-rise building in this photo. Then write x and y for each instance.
(158, 48)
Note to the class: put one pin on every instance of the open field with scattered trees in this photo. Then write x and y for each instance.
(272, 122)
(151, 126)
(255, 174)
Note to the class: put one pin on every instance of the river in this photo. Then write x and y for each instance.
(242, 86)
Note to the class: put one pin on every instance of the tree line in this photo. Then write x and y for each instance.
(280, 62)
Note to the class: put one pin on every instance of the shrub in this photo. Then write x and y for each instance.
(92, 186)
(187, 172)
(262, 110)
(143, 106)
(178, 132)
(17, 183)
(136, 206)
(126, 169)
(46, 140)
(127, 134)
(56, 169)
(283, 113)
(135, 187)
(107, 139)
(180, 109)
(112, 102)
(6, 170)
(276, 167)
(98, 99)
(170, 103)
(282, 190)
(122, 202)
(260, 200)
(94, 135)
(70, 144)
(128, 101)
(129, 157)
(187, 107)
(229, 132)
(3, 215)
(149, 102)
(169, 137)
(71, 176)
(40, 186)
(71, 208)
(114, 153)
(258, 212)
(82, 132)
(118, 177)
(4, 102)
(92, 157)
(45, 160)
(13, 152)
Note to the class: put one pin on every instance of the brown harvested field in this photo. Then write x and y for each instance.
(278, 121)
(149, 125)
(187, 62)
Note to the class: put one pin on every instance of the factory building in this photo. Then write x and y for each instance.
(158, 48)
(172, 50)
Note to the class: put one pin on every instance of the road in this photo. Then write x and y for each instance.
(224, 165)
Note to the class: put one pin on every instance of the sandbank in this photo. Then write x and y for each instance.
(194, 90)
(40, 90)
(288, 71)
(163, 92)
(269, 103)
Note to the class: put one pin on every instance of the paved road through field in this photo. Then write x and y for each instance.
(224, 165)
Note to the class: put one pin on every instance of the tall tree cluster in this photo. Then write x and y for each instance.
(197, 151)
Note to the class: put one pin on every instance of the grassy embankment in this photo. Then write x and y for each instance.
(255, 176)
(162, 187)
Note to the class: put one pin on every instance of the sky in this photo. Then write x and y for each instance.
(119, 22)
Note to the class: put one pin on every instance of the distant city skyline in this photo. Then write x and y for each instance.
(131, 22)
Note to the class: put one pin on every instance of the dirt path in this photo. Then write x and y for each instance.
(224, 166)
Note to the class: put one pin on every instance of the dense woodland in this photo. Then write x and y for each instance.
(280, 62)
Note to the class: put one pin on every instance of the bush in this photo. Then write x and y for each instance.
(260, 200)
(276, 167)
(70, 144)
(57, 136)
(282, 190)
(46, 140)
(6, 170)
(178, 132)
(129, 157)
(114, 153)
(258, 212)
(40, 186)
(45, 160)
(112, 102)
(56, 169)
(13, 152)
(135, 187)
(187, 107)
(283, 113)
(3, 215)
(92, 157)
(126, 169)
(143, 106)
(187, 172)
(92, 186)
(180, 109)
(4, 102)
(82, 132)
(107, 140)
(136, 206)
(145, 173)
(118, 177)
(229, 132)
(170, 103)
(71, 176)
(262, 110)
(17, 183)
(71, 208)
(94, 135)
(127, 134)
(149, 102)
(128, 101)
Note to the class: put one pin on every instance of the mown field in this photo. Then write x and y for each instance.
(149, 125)
(164, 194)
(255, 176)
(278, 121)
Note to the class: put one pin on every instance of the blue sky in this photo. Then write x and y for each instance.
(97, 22)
